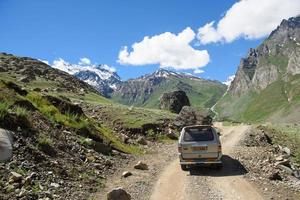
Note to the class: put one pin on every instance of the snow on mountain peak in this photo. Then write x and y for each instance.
(102, 77)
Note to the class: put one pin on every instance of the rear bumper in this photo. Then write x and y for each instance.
(203, 161)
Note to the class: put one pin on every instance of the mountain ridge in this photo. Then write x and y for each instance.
(146, 90)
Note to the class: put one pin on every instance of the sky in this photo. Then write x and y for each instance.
(206, 38)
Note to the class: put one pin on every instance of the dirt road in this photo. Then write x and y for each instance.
(204, 183)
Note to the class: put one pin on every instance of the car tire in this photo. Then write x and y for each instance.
(184, 167)
(219, 166)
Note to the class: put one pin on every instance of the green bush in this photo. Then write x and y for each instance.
(3, 109)
(21, 112)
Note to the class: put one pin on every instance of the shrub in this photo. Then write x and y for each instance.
(3, 109)
(21, 112)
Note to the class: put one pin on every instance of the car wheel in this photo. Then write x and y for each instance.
(219, 166)
(184, 167)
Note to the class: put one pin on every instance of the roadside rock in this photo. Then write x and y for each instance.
(55, 185)
(286, 151)
(171, 134)
(275, 176)
(286, 169)
(191, 116)
(141, 140)
(118, 194)
(141, 165)
(15, 177)
(284, 162)
(126, 174)
(174, 101)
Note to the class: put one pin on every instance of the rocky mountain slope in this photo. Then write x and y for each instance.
(33, 72)
(266, 85)
(102, 77)
(145, 91)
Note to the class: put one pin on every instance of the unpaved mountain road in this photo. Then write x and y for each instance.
(205, 183)
(166, 181)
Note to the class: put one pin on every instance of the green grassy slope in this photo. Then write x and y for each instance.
(279, 102)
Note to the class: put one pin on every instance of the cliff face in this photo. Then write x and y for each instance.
(277, 57)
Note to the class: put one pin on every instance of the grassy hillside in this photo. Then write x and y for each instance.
(279, 102)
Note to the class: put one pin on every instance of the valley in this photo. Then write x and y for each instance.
(80, 132)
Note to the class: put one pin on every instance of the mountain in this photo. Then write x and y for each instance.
(146, 90)
(102, 77)
(37, 75)
(266, 85)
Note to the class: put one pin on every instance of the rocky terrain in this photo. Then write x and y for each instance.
(265, 85)
(34, 72)
(269, 164)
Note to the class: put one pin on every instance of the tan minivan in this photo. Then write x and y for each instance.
(199, 145)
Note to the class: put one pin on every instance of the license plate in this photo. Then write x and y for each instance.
(200, 148)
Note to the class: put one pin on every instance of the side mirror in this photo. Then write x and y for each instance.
(219, 134)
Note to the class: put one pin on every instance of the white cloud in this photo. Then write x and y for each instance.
(229, 80)
(84, 61)
(168, 50)
(250, 19)
(198, 71)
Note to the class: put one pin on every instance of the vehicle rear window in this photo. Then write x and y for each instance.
(198, 134)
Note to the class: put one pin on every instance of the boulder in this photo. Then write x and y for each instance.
(174, 101)
(284, 162)
(171, 134)
(286, 151)
(6, 143)
(15, 177)
(141, 165)
(275, 176)
(286, 169)
(97, 146)
(192, 116)
(118, 194)
(141, 140)
(126, 174)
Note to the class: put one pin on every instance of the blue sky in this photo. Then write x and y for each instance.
(99, 30)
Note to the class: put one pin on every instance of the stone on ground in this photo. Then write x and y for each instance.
(141, 165)
(118, 194)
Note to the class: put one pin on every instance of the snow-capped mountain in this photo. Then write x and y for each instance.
(102, 77)
(163, 73)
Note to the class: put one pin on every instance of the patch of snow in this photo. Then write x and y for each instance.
(113, 86)
(229, 80)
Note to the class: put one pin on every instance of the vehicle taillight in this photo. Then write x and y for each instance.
(179, 149)
(220, 148)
